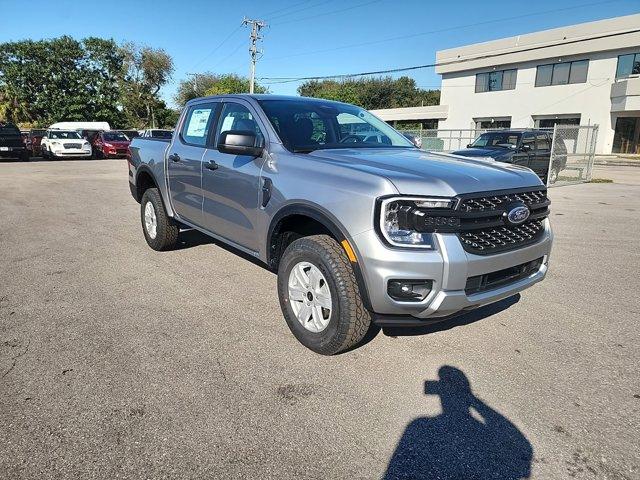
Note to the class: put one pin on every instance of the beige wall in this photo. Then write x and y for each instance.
(592, 100)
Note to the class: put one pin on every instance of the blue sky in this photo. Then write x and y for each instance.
(305, 37)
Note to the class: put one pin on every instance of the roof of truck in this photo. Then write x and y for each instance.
(263, 96)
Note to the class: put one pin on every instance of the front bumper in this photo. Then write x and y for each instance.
(448, 266)
(71, 153)
(13, 152)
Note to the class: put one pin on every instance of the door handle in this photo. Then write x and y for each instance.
(174, 157)
(212, 165)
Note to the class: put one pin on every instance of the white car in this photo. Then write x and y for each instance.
(65, 144)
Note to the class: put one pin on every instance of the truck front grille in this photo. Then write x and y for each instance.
(501, 238)
(483, 226)
(499, 201)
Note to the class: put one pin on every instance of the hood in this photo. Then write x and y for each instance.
(119, 144)
(484, 152)
(416, 172)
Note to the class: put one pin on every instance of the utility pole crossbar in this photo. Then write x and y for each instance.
(256, 26)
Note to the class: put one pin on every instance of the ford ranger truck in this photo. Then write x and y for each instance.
(361, 226)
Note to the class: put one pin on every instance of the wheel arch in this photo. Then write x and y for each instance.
(315, 216)
(145, 179)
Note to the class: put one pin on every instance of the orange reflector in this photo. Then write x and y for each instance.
(350, 253)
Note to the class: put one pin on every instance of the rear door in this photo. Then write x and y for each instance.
(184, 161)
(230, 182)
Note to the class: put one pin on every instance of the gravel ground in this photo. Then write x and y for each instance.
(120, 362)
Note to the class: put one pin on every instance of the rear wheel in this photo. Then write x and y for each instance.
(160, 230)
(319, 295)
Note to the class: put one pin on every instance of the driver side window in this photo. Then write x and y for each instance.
(235, 116)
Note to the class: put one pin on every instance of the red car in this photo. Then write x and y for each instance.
(111, 144)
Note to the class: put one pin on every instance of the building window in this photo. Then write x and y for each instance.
(562, 73)
(552, 122)
(628, 65)
(495, 81)
(489, 123)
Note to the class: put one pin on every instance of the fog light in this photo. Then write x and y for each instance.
(409, 290)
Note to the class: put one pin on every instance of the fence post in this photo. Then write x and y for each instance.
(553, 152)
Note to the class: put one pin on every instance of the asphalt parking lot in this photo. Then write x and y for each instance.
(120, 362)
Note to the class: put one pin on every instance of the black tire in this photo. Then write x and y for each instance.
(349, 320)
(166, 228)
(24, 157)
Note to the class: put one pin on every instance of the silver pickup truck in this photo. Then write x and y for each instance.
(360, 225)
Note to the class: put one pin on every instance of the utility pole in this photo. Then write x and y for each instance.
(256, 26)
(195, 80)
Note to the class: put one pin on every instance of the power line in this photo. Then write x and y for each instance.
(328, 13)
(268, 15)
(275, 80)
(218, 46)
(324, 2)
(448, 29)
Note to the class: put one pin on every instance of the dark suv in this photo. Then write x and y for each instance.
(529, 148)
(11, 142)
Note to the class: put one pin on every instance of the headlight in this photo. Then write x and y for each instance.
(86, 145)
(55, 143)
(411, 221)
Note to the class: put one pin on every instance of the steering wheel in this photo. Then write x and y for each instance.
(355, 139)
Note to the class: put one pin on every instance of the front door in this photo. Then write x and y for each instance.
(525, 150)
(627, 135)
(230, 182)
(539, 157)
(184, 162)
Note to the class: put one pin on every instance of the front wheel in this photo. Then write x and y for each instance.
(319, 295)
(160, 230)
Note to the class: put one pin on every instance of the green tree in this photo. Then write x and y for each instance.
(46, 81)
(372, 93)
(213, 84)
(145, 71)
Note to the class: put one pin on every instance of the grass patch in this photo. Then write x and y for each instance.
(601, 180)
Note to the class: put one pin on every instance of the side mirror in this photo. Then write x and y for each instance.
(239, 142)
(468, 145)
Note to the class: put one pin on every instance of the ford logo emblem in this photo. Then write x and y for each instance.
(518, 215)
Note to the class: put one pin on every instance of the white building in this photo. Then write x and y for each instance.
(581, 74)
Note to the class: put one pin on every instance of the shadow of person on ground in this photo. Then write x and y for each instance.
(468, 440)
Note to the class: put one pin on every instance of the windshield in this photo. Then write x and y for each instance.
(497, 140)
(304, 126)
(65, 135)
(8, 130)
(115, 137)
(161, 133)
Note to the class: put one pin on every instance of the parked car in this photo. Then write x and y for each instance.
(65, 144)
(528, 148)
(131, 134)
(33, 138)
(358, 233)
(111, 144)
(157, 133)
(11, 142)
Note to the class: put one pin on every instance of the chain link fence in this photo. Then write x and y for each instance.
(570, 159)
(572, 154)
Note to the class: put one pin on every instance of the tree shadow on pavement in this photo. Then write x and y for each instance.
(468, 440)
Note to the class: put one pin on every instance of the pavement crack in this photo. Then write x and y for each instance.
(14, 359)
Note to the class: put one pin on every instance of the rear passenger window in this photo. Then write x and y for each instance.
(196, 127)
(542, 142)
